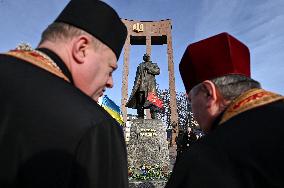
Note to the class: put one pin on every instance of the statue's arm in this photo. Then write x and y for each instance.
(153, 68)
(139, 71)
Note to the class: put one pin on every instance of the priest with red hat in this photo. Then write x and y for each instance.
(243, 145)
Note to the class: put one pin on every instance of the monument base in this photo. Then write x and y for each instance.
(148, 153)
(147, 184)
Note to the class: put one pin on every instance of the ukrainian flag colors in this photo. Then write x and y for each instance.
(111, 108)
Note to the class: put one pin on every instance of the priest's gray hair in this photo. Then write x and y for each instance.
(62, 31)
(232, 86)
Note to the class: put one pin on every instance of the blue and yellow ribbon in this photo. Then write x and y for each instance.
(112, 109)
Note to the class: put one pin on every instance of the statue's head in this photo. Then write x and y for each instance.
(146, 57)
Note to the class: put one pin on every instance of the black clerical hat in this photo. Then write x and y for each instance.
(98, 19)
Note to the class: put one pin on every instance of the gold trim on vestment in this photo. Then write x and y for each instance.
(249, 100)
(38, 60)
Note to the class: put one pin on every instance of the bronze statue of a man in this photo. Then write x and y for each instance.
(144, 92)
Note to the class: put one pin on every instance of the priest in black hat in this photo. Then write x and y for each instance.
(52, 132)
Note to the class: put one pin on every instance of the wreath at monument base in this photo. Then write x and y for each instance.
(147, 172)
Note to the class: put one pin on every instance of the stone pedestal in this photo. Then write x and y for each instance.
(147, 184)
(148, 144)
(148, 154)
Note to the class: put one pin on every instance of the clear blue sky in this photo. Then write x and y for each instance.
(258, 23)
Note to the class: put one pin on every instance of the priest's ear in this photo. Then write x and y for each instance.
(215, 102)
(211, 93)
(80, 48)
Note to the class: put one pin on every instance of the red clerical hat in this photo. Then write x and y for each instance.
(213, 57)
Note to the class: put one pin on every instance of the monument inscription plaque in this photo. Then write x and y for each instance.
(148, 152)
(148, 144)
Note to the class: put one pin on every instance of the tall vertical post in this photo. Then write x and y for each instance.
(148, 51)
(173, 103)
(124, 89)
(148, 45)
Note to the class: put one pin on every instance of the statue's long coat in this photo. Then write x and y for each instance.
(144, 81)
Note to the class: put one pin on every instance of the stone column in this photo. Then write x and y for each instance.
(124, 89)
(173, 103)
(148, 44)
(148, 51)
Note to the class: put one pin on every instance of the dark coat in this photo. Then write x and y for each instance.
(144, 81)
(245, 151)
(52, 134)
